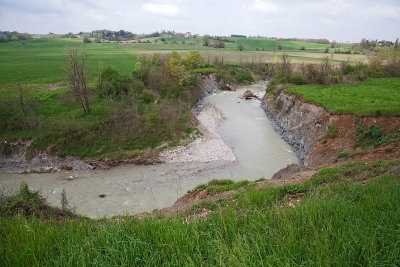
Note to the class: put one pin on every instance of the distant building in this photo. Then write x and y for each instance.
(186, 35)
(76, 36)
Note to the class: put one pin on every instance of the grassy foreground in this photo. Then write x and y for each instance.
(346, 216)
(371, 97)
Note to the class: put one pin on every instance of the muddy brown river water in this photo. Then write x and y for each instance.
(259, 152)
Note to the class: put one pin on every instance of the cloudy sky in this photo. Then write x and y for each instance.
(341, 20)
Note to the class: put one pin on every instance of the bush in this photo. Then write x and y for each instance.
(25, 202)
(372, 136)
(111, 84)
(146, 96)
(297, 79)
(193, 60)
(86, 40)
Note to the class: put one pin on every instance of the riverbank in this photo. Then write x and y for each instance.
(320, 136)
(241, 146)
(352, 205)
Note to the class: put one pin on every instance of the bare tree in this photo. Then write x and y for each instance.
(21, 97)
(285, 67)
(76, 74)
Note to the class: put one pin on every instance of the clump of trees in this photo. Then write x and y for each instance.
(6, 36)
(153, 104)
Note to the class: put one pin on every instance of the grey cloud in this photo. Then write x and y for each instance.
(334, 19)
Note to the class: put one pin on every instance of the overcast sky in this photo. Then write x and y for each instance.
(341, 20)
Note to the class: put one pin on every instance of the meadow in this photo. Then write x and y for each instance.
(275, 44)
(344, 216)
(375, 96)
(41, 61)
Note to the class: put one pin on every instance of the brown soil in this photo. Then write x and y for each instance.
(327, 149)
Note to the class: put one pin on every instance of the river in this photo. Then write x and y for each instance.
(259, 152)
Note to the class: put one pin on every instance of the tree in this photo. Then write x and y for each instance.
(240, 47)
(176, 69)
(206, 40)
(76, 75)
(284, 67)
(193, 59)
(220, 44)
(86, 40)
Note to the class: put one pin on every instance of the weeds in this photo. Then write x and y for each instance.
(372, 136)
(333, 130)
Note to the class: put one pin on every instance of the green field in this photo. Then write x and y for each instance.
(273, 44)
(371, 97)
(346, 216)
(40, 61)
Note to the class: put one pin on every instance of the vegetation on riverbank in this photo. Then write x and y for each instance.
(137, 103)
(343, 216)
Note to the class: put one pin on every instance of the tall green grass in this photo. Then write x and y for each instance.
(339, 222)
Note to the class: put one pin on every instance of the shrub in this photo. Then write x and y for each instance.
(25, 202)
(372, 136)
(146, 96)
(297, 79)
(111, 84)
(86, 40)
(176, 68)
(343, 155)
(193, 60)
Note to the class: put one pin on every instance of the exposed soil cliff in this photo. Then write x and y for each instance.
(305, 126)
(298, 122)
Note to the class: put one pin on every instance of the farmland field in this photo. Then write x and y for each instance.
(40, 61)
(374, 96)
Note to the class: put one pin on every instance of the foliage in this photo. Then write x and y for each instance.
(6, 36)
(86, 40)
(333, 130)
(111, 83)
(204, 71)
(176, 68)
(372, 136)
(24, 202)
(193, 60)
